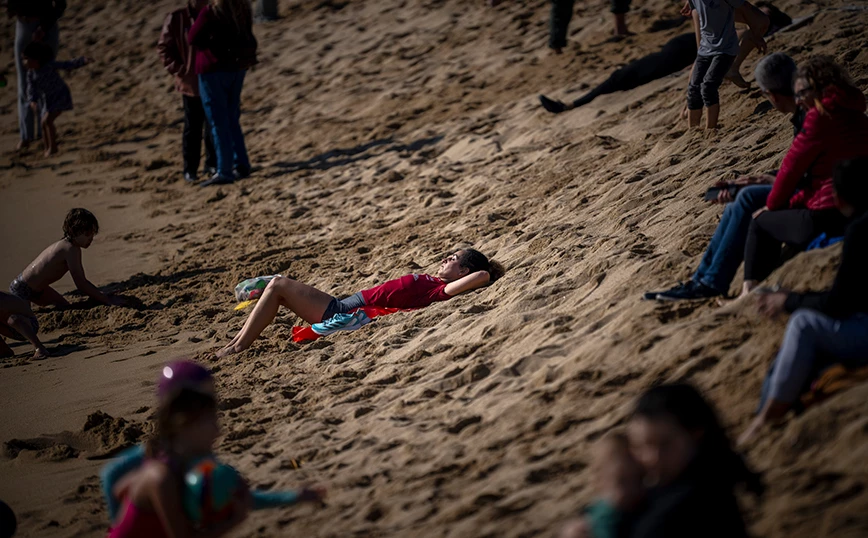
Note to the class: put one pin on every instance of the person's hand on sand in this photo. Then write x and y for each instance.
(312, 494)
(772, 304)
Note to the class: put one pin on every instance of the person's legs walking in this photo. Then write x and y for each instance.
(212, 88)
(27, 124)
(710, 87)
(694, 90)
(559, 22)
(239, 149)
(619, 9)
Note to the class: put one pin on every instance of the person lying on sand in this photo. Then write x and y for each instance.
(34, 283)
(618, 478)
(17, 321)
(463, 271)
(825, 327)
(677, 54)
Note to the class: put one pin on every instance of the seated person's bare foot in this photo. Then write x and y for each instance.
(41, 353)
(231, 349)
(736, 78)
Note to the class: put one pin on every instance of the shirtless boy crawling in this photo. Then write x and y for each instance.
(34, 283)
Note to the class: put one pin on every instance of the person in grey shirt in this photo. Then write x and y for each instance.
(718, 46)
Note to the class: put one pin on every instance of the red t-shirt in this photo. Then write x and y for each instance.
(409, 291)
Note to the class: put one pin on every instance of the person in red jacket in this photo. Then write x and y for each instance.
(178, 59)
(800, 208)
(460, 272)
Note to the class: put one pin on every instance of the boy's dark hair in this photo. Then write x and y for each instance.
(684, 404)
(175, 415)
(477, 261)
(39, 51)
(79, 221)
(851, 183)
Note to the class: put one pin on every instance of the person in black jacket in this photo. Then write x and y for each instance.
(689, 465)
(825, 327)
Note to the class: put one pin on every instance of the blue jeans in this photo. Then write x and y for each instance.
(725, 252)
(812, 342)
(221, 99)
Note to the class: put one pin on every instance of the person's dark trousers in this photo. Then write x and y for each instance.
(559, 23)
(708, 74)
(266, 10)
(795, 227)
(619, 7)
(195, 126)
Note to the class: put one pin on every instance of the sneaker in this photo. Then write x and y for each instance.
(217, 179)
(555, 107)
(688, 291)
(190, 178)
(342, 322)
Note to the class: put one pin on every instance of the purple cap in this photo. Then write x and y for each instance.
(179, 375)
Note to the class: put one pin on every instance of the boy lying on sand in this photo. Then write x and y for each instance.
(34, 283)
(18, 322)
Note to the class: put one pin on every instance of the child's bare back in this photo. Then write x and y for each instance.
(34, 283)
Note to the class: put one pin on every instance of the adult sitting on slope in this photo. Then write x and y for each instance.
(774, 75)
(799, 206)
(825, 327)
(463, 271)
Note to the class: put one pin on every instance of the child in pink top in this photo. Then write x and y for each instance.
(460, 272)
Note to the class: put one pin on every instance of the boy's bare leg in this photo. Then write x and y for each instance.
(746, 45)
(51, 297)
(306, 301)
(711, 116)
(693, 118)
(22, 326)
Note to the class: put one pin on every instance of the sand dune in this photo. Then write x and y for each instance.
(386, 133)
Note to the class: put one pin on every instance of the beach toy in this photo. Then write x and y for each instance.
(252, 288)
(209, 489)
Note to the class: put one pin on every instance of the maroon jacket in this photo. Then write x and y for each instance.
(176, 53)
(839, 131)
(219, 45)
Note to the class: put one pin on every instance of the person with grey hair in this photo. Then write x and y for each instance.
(725, 252)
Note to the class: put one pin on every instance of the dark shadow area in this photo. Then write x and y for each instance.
(661, 25)
(343, 157)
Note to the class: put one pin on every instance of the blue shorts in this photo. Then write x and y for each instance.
(343, 306)
(21, 289)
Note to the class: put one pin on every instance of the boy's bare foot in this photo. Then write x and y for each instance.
(231, 349)
(41, 353)
(736, 78)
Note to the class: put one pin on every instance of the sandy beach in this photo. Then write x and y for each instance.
(383, 135)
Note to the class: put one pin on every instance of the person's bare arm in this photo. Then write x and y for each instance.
(467, 283)
(76, 270)
(695, 16)
(757, 21)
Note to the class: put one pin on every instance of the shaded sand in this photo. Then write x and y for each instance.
(386, 133)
